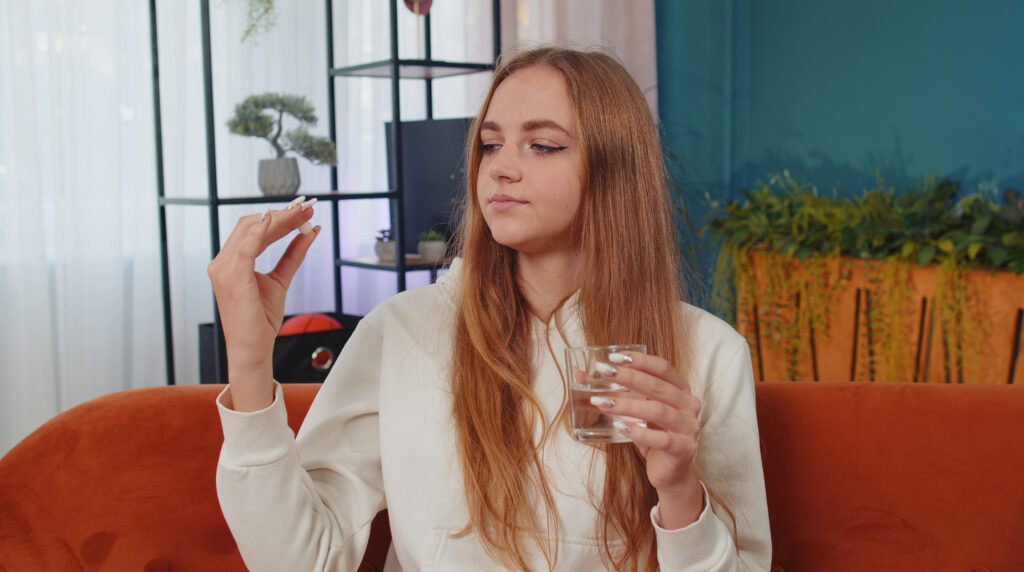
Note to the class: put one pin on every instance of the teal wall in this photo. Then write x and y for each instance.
(832, 90)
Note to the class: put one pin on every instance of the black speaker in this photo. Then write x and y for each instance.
(298, 358)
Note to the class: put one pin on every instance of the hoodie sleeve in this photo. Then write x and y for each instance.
(307, 503)
(729, 461)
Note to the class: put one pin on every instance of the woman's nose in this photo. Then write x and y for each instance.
(504, 165)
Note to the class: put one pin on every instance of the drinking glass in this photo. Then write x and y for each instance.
(583, 365)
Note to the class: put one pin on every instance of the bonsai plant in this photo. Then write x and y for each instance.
(431, 245)
(263, 116)
(385, 246)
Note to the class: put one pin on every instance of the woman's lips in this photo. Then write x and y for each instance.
(503, 203)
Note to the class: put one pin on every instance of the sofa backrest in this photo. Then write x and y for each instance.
(859, 477)
(885, 476)
(123, 482)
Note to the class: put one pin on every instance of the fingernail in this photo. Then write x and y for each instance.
(306, 228)
(264, 214)
(599, 401)
(295, 202)
(621, 426)
(605, 369)
(309, 203)
(616, 357)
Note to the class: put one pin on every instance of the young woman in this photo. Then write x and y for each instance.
(447, 404)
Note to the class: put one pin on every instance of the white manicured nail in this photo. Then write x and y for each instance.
(309, 203)
(599, 401)
(295, 202)
(621, 426)
(616, 357)
(605, 369)
(264, 214)
(306, 228)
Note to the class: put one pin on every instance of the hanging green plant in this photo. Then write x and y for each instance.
(260, 18)
(787, 253)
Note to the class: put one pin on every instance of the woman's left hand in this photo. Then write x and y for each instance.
(669, 441)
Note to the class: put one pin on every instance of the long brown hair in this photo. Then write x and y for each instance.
(626, 240)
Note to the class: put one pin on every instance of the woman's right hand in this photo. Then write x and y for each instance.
(251, 303)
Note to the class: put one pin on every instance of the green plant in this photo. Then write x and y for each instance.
(252, 120)
(786, 252)
(430, 236)
(924, 224)
(384, 235)
(260, 17)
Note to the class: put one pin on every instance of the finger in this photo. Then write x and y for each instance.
(244, 227)
(230, 267)
(651, 364)
(644, 437)
(292, 258)
(655, 414)
(252, 239)
(679, 445)
(280, 224)
(648, 385)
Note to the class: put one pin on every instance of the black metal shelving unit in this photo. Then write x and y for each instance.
(394, 69)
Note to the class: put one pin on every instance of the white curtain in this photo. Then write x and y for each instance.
(81, 311)
(624, 27)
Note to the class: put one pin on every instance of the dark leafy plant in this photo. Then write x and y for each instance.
(263, 116)
(804, 244)
(925, 224)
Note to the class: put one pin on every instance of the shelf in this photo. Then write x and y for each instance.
(392, 69)
(261, 199)
(412, 262)
(412, 69)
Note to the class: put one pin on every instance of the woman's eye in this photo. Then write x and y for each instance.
(546, 149)
(488, 148)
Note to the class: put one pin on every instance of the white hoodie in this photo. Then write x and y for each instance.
(380, 435)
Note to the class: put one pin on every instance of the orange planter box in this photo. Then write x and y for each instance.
(921, 340)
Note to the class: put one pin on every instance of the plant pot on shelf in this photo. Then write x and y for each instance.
(431, 250)
(279, 177)
(385, 251)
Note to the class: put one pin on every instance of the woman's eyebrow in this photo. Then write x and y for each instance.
(535, 124)
(531, 125)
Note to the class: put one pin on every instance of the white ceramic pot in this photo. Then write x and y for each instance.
(431, 250)
(385, 251)
(279, 177)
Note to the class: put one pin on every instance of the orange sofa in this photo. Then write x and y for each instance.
(859, 477)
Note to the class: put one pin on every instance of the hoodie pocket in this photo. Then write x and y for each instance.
(467, 554)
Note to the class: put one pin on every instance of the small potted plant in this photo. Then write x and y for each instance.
(385, 246)
(431, 245)
(262, 116)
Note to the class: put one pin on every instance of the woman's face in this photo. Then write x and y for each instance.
(531, 173)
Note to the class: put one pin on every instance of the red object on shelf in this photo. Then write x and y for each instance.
(307, 323)
(422, 9)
